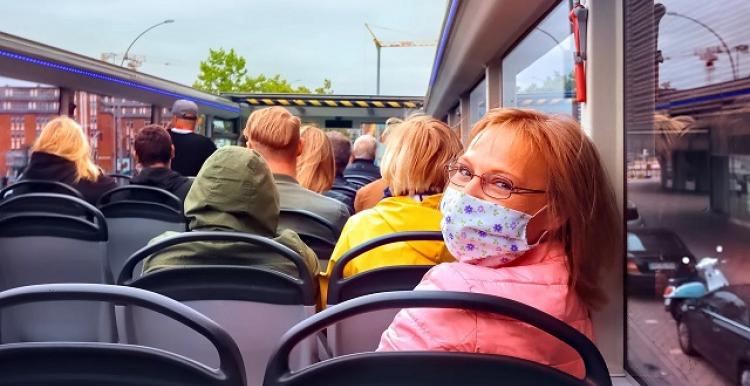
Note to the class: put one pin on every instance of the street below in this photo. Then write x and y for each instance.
(653, 348)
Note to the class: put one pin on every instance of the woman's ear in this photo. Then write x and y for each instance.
(543, 221)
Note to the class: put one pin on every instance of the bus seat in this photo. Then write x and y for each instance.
(111, 364)
(136, 214)
(358, 180)
(39, 186)
(433, 368)
(317, 232)
(362, 332)
(120, 179)
(46, 247)
(256, 305)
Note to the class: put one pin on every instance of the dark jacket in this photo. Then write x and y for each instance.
(190, 152)
(234, 191)
(164, 178)
(46, 166)
(341, 191)
(363, 167)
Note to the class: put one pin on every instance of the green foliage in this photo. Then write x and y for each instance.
(556, 82)
(226, 72)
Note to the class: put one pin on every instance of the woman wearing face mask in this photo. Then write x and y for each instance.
(530, 216)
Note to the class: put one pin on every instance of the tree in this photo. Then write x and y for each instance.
(556, 82)
(226, 72)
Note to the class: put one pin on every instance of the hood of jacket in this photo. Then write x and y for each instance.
(234, 190)
(163, 178)
(404, 214)
(46, 166)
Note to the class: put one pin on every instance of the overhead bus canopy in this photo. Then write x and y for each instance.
(321, 107)
(35, 62)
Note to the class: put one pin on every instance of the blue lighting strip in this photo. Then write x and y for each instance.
(443, 40)
(703, 98)
(94, 75)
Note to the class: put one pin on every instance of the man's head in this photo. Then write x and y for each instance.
(364, 147)
(342, 150)
(184, 114)
(275, 133)
(153, 147)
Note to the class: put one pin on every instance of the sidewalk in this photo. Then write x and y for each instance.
(654, 351)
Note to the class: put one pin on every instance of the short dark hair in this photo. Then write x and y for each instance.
(153, 145)
(342, 150)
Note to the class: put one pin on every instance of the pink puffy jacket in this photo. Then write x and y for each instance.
(538, 279)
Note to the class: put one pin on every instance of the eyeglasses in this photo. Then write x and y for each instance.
(493, 185)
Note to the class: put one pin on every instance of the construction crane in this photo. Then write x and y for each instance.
(134, 61)
(396, 44)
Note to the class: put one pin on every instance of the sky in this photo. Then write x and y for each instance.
(304, 41)
(680, 41)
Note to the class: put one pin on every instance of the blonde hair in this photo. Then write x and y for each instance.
(579, 193)
(417, 151)
(274, 128)
(316, 168)
(64, 138)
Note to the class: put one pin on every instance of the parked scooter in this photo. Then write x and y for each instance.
(708, 278)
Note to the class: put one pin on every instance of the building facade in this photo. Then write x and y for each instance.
(25, 110)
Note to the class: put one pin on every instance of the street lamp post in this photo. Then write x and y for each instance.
(125, 57)
(116, 105)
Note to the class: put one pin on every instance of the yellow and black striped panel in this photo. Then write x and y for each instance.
(378, 104)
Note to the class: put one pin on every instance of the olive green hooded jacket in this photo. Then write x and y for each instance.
(234, 191)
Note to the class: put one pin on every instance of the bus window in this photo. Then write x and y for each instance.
(687, 156)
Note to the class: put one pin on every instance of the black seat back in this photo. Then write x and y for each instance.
(255, 304)
(434, 368)
(362, 332)
(142, 202)
(393, 278)
(51, 203)
(120, 179)
(38, 186)
(317, 232)
(38, 247)
(104, 364)
(358, 180)
(135, 215)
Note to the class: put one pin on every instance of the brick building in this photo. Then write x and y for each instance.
(25, 110)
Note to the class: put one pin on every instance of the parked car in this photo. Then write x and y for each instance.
(716, 326)
(656, 255)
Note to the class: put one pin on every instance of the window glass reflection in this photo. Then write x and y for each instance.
(538, 72)
(687, 123)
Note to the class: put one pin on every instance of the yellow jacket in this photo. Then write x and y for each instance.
(393, 214)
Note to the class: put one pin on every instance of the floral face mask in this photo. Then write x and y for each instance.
(476, 230)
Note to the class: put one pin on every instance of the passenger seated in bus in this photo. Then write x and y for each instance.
(62, 153)
(416, 188)
(315, 166)
(275, 133)
(191, 149)
(363, 158)
(369, 195)
(341, 189)
(153, 152)
(530, 215)
(234, 191)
